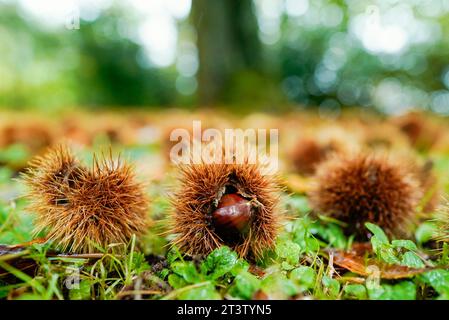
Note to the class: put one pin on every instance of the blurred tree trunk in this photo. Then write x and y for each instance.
(228, 43)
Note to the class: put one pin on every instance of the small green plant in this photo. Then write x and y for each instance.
(203, 280)
(401, 252)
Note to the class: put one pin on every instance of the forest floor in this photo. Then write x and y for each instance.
(313, 257)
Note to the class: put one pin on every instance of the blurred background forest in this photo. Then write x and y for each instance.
(260, 55)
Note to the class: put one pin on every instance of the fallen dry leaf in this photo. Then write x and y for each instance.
(359, 261)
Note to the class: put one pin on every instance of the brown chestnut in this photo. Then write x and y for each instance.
(232, 217)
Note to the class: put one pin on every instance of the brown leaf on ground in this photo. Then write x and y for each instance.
(359, 261)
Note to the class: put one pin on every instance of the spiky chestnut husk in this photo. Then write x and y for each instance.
(384, 136)
(421, 133)
(442, 223)
(412, 126)
(364, 188)
(80, 208)
(307, 154)
(35, 135)
(225, 204)
(51, 177)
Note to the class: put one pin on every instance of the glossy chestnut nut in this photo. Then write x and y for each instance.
(232, 217)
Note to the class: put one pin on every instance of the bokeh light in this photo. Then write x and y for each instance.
(391, 55)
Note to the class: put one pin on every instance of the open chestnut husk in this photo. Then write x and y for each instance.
(225, 204)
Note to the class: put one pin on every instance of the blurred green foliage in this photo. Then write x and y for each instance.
(92, 66)
(263, 53)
